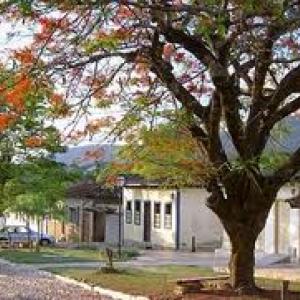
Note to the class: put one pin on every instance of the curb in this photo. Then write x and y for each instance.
(103, 292)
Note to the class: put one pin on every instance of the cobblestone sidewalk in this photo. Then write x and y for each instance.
(19, 282)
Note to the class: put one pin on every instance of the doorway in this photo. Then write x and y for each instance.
(99, 226)
(147, 221)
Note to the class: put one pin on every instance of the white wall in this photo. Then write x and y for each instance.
(20, 220)
(294, 230)
(268, 243)
(198, 220)
(159, 236)
(112, 228)
(2, 222)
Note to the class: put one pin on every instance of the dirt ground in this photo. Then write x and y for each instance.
(227, 295)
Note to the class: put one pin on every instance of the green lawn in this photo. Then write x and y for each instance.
(276, 284)
(153, 281)
(58, 255)
(142, 281)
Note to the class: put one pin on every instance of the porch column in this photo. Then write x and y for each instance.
(226, 242)
(92, 227)
(269, 231)
(80, 229)
(294, 233)
(276, 227)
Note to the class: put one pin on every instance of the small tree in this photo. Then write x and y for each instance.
(37, 189)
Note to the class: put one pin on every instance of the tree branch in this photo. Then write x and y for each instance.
(215, 147)
(195, 45)
(282, 113)
(289, 84)
(129, 56)
(163, 70)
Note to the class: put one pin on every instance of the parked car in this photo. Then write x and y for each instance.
(23, 234)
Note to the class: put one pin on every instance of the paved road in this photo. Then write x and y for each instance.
(18, 282)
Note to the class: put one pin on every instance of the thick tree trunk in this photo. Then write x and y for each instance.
(243, 207)
(242, 263)
(243, 230)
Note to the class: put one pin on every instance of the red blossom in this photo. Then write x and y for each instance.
(5, 121)
(25, 56)
(34, 141)
(124, 12)
(168, 50)
(179, 56)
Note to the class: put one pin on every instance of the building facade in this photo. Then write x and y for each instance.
(169, 218)
(93, 215)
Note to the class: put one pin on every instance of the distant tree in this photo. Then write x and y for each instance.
(38, 188)
(232, 66)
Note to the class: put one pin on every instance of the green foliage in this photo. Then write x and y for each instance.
(271, 161)
(37, 188)
(165, 153)
(109, 43)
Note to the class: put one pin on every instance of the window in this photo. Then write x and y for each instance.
(128, 212)
(137, 212)
(157, 207)
(74, 215)
(168, 216)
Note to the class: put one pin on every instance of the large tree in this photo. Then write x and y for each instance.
(225, 65)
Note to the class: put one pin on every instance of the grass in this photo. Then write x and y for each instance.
(152, 281)
(141, 281)
(58, 255)
(276, 284)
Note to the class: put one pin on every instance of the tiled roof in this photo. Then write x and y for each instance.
(90, 190)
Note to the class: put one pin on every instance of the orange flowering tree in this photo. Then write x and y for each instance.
(25, 114)
(168, 153)
(229, 66)
(26, 130)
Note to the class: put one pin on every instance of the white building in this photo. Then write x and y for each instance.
(17, 219)
(169, 218)
(177, 218)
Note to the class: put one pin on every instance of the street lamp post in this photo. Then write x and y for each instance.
(120, 184)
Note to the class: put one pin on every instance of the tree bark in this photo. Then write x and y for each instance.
(242, 263)
(243, 229)
(243, 213)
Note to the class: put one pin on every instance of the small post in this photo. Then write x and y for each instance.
(120, 184)
(284, 289)
(193, 244)
(120, 226)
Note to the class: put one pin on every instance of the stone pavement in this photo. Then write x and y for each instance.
(20, 282)
(153, 258)
(168, 257)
